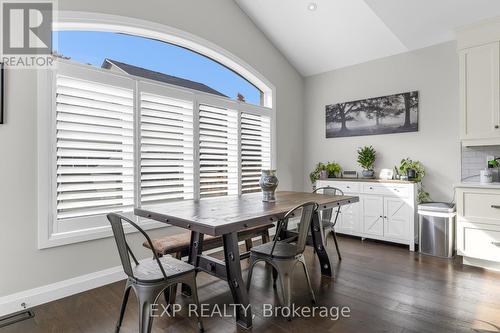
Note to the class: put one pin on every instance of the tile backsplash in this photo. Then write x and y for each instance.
(474, 160)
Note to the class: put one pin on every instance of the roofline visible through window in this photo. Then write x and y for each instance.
(70, 20)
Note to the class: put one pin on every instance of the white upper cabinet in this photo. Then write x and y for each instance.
(480, 92)
(479, 69)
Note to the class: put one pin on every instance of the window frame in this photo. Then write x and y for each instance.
(47, 186)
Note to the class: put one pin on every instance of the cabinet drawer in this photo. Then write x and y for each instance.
(480, 242)
(477, 205)
(346, 187)
(389, 190)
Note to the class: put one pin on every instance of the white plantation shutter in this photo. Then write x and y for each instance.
(218, 131)
(166, 148)
(94, 148)
(122, 142)
(255, 150)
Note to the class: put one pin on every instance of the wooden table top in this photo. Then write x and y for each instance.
(224, 215)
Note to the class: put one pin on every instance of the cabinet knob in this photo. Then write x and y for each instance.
(496, 126)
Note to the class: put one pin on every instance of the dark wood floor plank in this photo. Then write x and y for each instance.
(387, 288)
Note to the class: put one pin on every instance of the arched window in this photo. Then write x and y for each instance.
(156, 60)
(138, 117)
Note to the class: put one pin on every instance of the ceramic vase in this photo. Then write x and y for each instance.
(268, 183)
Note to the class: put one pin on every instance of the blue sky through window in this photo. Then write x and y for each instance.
(90, 47)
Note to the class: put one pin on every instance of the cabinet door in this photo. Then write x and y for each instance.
(480, 92)
(349, 219)
(397, 218)
(373, 210)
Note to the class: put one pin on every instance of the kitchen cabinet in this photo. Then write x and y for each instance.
(478, 226)
(386, 209)
(480, 92)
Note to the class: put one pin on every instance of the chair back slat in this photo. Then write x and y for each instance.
(121, 243)
(326, 214)
(305, 224)
(116, 221)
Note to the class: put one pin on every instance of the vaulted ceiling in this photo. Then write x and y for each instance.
(340, 33)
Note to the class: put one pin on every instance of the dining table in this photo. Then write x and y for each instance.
(228, 215)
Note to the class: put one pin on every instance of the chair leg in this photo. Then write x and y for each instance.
(123, 306)
(146, 297)
(145, 319)
(250, 272)
(194, 293)
(336, 243)
(172, 291)
(311, 291)
(275, 277)
(248, 244)
(286, 289)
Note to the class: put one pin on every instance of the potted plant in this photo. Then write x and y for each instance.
(333, 169)
(415, 171)
(317, 173)
(366, 159)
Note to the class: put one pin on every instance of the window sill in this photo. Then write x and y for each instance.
(85, 235)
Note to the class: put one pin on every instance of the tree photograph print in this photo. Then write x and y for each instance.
(381, 115)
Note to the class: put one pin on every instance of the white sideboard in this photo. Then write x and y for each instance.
(478, 225)
(386, 209)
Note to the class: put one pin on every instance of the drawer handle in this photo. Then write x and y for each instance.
(495, 206)
(496, 243)
(371, 188)
(348, 187)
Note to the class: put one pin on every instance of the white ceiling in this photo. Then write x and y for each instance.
(341, 33)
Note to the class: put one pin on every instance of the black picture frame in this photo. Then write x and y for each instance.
(397, 113)
(2, 90)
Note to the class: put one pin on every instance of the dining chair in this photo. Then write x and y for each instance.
(326, 216)
(284, 256)
(150, 278)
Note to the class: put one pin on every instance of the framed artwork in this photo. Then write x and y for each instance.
(380, 115)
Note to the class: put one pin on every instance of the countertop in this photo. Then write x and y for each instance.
(478, 185)
(371, 180)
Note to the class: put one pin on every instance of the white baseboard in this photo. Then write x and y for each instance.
(33, 297)
(51, 292)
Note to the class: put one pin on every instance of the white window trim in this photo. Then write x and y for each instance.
(46, 122)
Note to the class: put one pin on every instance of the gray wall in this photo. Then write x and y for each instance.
(433, 72)
(219, 21)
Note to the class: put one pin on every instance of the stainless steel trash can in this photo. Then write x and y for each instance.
(437, 229)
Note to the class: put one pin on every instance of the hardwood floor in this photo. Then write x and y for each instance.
(387, 289)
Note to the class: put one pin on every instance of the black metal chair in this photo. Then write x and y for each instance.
(151, 278)
(283, 256)
(326, 216)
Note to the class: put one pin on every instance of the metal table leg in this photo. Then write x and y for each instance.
(235, 280)
(316, 233)
(195, 249)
